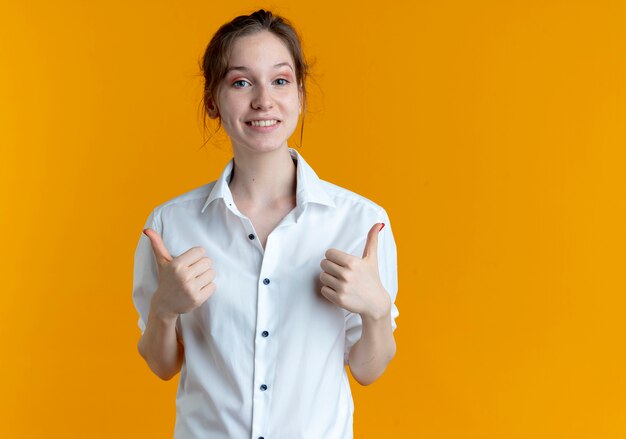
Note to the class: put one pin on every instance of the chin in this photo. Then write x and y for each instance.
(264, 147)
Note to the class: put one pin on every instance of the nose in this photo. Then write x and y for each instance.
(262, 99)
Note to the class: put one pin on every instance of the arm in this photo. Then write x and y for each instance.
(370, 355)
(164, 288)
(159, 345)
(356, 285)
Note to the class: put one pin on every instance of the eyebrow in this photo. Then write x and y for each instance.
(246, 69)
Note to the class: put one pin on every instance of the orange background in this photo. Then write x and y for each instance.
(493, 133)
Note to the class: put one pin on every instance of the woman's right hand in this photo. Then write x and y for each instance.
(185, 282)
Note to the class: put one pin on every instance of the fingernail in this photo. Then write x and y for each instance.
(381, 227)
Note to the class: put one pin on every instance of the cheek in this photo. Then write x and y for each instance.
(228, 102)
(293, 104)
(231, 109)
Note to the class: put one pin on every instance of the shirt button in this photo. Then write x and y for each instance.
(265, 333)
(261, 437)
(263, 387)
(251, 236)
(266, 281)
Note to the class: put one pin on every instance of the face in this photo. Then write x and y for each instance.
(259, 100)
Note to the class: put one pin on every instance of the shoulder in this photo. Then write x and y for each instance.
(345, 199)
(193, 199)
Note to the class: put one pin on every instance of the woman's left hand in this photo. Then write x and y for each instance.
(353, 283)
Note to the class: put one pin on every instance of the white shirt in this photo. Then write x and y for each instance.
(265, 355)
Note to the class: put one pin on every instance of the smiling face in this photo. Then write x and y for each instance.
(259, 100)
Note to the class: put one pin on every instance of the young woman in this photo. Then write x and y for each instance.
(280, 279)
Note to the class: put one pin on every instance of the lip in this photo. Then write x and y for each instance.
(263, 118)
(263, 129)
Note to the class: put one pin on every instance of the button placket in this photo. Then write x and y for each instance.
(251, 234)
(264, 350)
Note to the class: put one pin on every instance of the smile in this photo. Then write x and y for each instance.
(262, 123)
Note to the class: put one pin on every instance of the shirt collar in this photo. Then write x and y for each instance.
(310, 188)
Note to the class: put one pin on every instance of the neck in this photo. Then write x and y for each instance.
(263, 179)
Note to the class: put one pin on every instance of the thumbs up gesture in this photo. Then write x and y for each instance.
(185, 282)
(353, 283)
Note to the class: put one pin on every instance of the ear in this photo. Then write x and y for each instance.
(212, 108)
(300, 96)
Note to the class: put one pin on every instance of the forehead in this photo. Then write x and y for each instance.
(259, 50)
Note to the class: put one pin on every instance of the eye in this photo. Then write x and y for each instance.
(239, 83)
(282, 79)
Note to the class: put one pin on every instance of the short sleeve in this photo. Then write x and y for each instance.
(146, 274)
(388, 271)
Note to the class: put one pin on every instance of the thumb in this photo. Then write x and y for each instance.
(371, 245)
(162, 255)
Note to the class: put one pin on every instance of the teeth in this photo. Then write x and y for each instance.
(263, 123)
